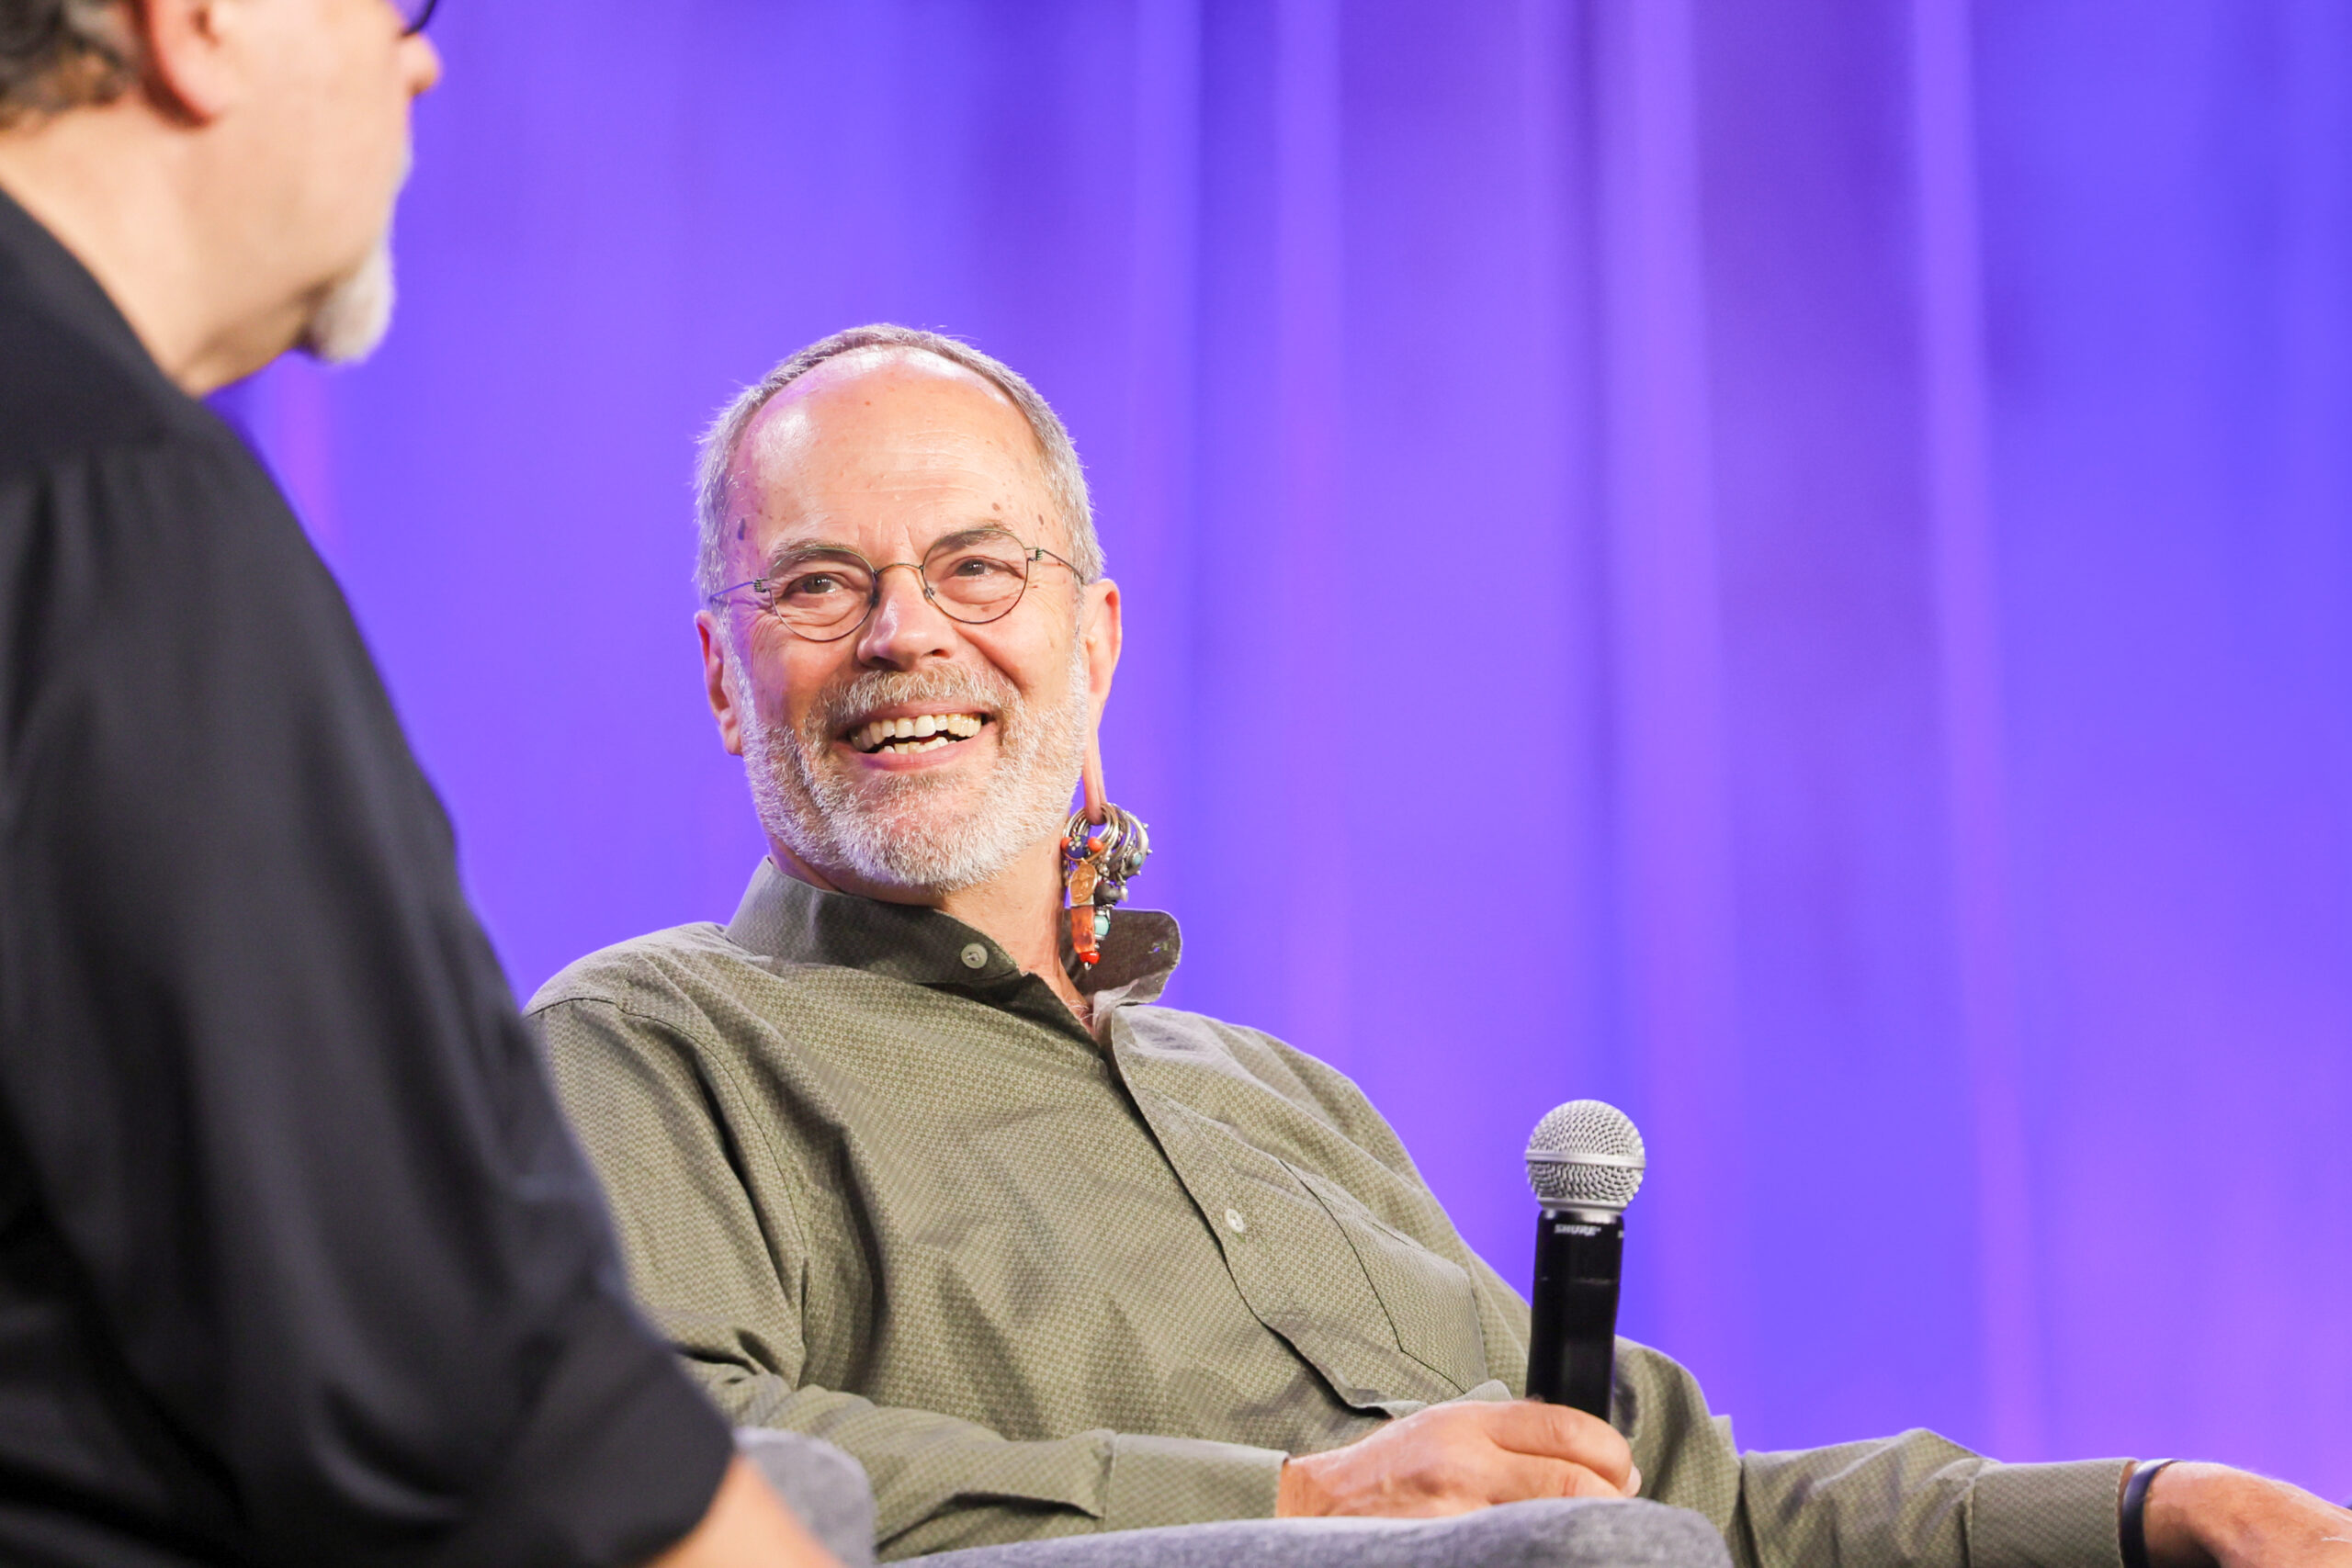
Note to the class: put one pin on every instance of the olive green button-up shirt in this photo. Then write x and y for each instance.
(878, 1185)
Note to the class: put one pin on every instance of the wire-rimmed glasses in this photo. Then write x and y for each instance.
(824, 594)
(414, 14)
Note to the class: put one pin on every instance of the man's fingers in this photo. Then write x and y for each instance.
(1557, 1432)
(1449, 1458)
(1517, 1477)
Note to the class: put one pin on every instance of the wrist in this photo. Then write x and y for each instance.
(2132, 1510)
(2191, 1513)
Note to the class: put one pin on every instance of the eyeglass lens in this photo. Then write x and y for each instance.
(414, 14)
(973, 578)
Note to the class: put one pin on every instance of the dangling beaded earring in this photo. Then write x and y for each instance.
(1101, 848)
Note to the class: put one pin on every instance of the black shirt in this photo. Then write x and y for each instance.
(297, 1261)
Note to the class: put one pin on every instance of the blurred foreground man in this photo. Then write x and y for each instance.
(892, 1169)
(297, 1264)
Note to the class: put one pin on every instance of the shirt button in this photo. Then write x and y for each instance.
(1233, 1217)
(975, 957)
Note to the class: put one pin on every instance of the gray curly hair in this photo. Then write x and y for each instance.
(1065, 476)
(58, 54)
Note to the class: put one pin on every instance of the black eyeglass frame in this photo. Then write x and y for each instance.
(1030, 556)
(423, 17)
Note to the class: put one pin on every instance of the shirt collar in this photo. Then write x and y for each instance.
(70, 292)
(785, 919)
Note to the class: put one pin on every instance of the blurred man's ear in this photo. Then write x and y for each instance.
(192, 54)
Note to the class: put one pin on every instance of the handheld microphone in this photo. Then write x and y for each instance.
(1585, 1161)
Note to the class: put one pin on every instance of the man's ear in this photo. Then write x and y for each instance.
(194, 51)
(1099, 628)
(714, 655)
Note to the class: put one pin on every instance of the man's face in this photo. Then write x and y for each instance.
(886, 452)
(332, 119)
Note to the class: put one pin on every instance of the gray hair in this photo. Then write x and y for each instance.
(1065, 477)
(58, 54)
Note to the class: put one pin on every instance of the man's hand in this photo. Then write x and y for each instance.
(2209, 1516)
(746, 1526)
(1451, 1459)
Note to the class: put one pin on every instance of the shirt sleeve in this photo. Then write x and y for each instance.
(724, 1283)
(941, 1484)
(1912, 1501)
(262, 1073)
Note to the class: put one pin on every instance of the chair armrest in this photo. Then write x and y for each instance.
(825, 1489)
(1567, 1533)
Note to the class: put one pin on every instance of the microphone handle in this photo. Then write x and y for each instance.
(1572, 1357)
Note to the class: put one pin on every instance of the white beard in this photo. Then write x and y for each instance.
(910, 831)
(356, 313)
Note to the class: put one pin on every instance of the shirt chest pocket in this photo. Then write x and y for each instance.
(1433, 1307)
(1387, 1321)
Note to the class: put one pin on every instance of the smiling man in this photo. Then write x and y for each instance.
(892, 1168)
(926, 750)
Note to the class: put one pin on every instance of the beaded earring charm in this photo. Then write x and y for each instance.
(1102, 847)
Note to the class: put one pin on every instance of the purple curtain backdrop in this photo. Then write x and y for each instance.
(1900, 744)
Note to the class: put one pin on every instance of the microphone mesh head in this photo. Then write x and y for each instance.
(1586, 1155)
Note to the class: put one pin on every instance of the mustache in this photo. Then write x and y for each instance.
(845, 706)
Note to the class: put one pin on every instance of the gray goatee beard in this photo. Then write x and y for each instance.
(930, 832)
(354, 316)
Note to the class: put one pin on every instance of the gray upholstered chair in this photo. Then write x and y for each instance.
(821, 1484)
(828, 1490)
